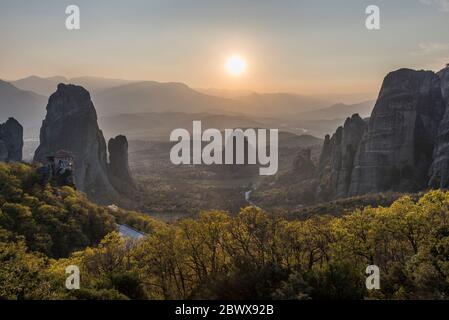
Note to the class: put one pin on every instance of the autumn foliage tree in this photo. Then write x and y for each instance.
(250, 255)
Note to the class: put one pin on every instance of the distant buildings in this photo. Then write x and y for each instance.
(59, 168)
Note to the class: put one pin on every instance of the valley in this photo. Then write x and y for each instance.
(307, 162)
(370, 181)
(206, 155)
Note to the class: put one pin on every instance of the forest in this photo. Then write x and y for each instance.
(249, 255)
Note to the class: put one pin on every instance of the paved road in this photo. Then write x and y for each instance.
(248, 198)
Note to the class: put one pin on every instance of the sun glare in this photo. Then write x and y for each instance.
(235, 65)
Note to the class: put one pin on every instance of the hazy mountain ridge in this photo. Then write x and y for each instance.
(159, 125)
(152, 96)
(25, 106)
(47, 85)
(111, 95)
(340, 111)
(224, 93)
(282, 104)
(39, 85)
(116, 97)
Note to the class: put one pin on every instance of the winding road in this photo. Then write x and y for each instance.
(248, 199)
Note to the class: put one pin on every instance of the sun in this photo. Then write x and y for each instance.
(235, 65)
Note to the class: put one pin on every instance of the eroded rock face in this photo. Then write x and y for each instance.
(352, 133)
(324, 189)
(337, 159)
(71, 124)
(439, 171)
(404, 147)
(444, 77)
(397, 148)
(3, 151)
(11, 140)
(118, 163)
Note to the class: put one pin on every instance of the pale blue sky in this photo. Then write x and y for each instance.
(309, 47)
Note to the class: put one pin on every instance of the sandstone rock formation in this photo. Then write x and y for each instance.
(3, 151)
(11, 140)
(397, 147)
(119, 172)
(71, 125)
(444, 77)
(401, 142)
(439, 171)
(337, 159)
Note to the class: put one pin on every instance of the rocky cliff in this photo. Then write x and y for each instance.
(404, 145)
(119, 172)
(11, 140)
(396, 150)
(337, 159)
(71, 124)
(439, 171)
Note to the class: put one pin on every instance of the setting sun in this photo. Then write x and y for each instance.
(235, 65)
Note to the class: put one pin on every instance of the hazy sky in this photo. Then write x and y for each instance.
(308, 47)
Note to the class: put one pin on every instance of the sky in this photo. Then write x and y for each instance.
(306, 47)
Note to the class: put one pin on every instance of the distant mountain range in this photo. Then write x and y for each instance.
(47, 85)
(151, 96)
(281, 105)
(158, 126)
(339, 111)
(113, 96)
(42, 86)
(119, 101)
(273, 104)
(26, 106)
(224, 93)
